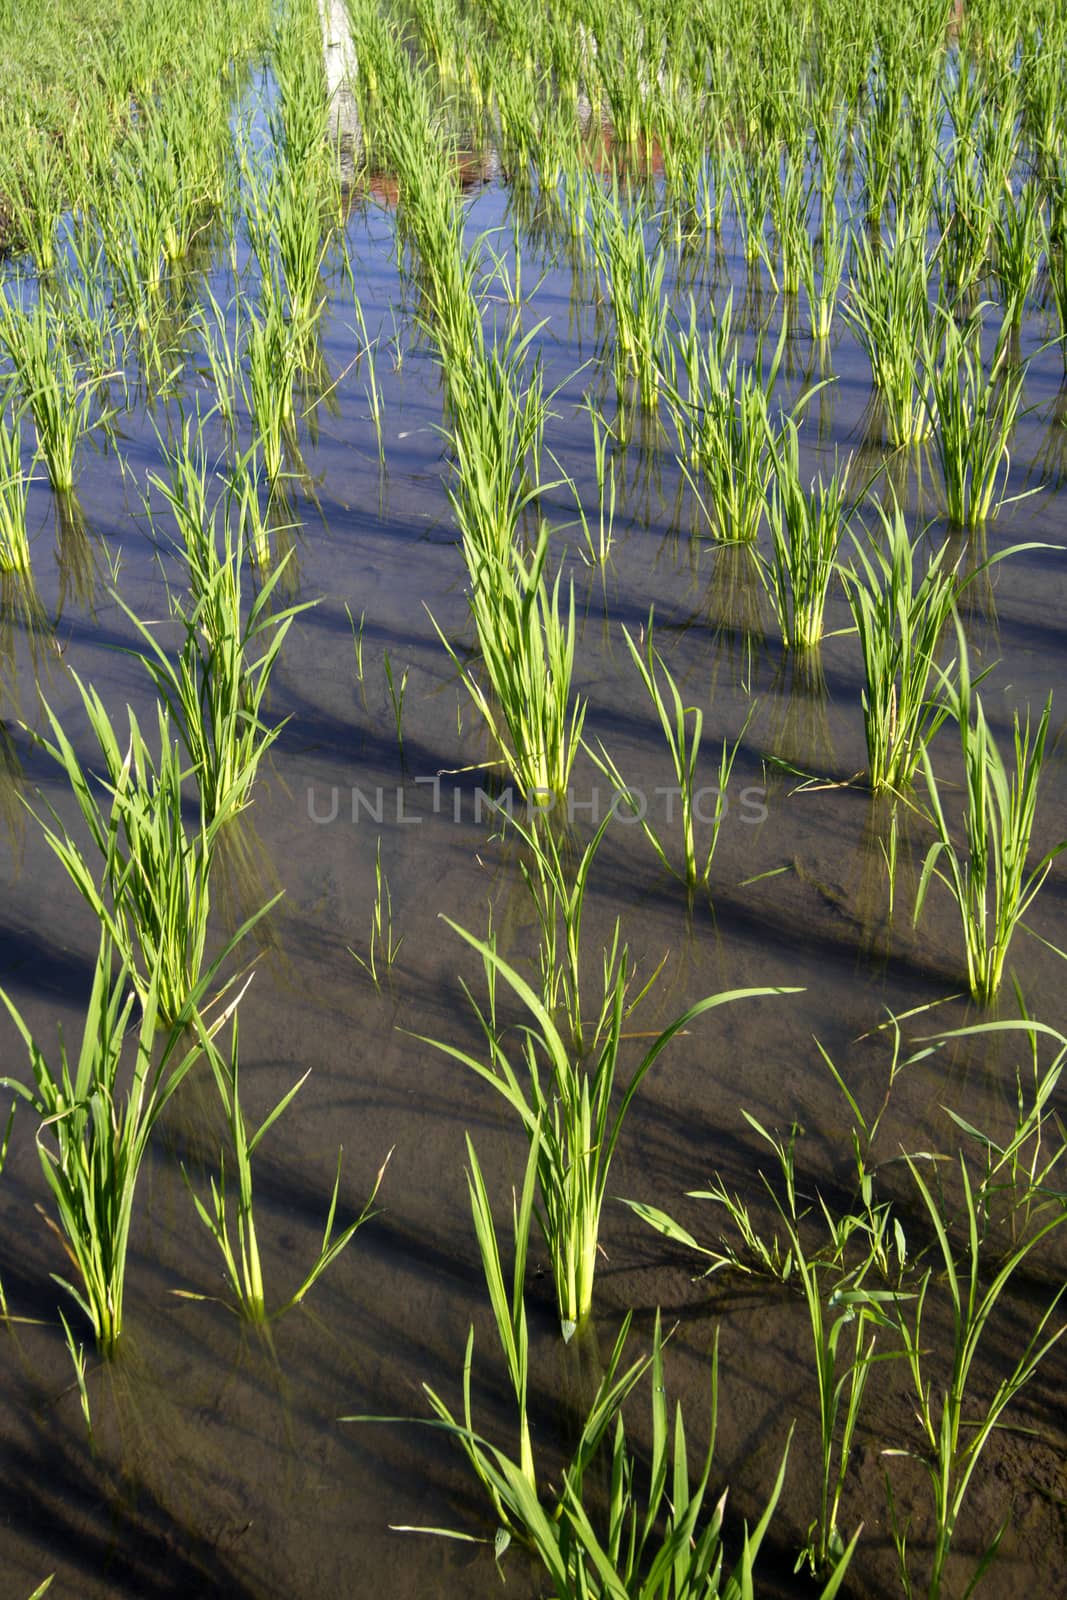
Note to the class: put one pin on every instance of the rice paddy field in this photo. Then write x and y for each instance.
(532, 685)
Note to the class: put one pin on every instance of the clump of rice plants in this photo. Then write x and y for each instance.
(1018, 245)
(14, 500)
(564, 1103)
(215, 689)
(92, 1138)
(634, 282)
(806, 529)
(526, 642)
(991, 881)
(657, 1542)
(889, 310)
(498, 415)
(274, 347)
(844, 1313)
(973, 414)
(954, 1428)
(723, 424)
(900, 604)
(153, 895)
(59, 400)
(824, 254)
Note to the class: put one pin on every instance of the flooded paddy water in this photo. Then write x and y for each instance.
(217, 1462)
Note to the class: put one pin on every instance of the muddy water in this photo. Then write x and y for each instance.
(220, 1466)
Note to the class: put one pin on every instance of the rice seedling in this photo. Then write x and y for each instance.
(498, 412)
(954, 1433)
(85, 298)
(900, 605)
(972, 417)
(838, 1303)
(78, 1362)
(888, 309)
(842, 1373)
(1018, 1183)
(806, 529)
(14, 499)
(152, 894)
(723, 426)
(209, 326)
(657, 1544)
(754, 1255)
(632, 1559)
(509, 1310)
(990, 883)
(557, 886)
(682, 727)
(634, 284)
(255, 197)
(158, 204)
(750, 180)
(357, 640)
(242, 1262)
(273, 349)
(879, 133)
(92, 1140)
(396, 699)
(61, 404)
(962, 217)
(216, 689)
(31, 179)
(1017, 249)
(372, 390)
(260, 518)
(569, 1113)
(598, 539)
(513, 1497)
(297, 227)
(526, 642)
(1056, 256)
(140, 309)
(383, 945)
(790, 205)
(822, 266)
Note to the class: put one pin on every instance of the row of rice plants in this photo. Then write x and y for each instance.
(147, 874)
